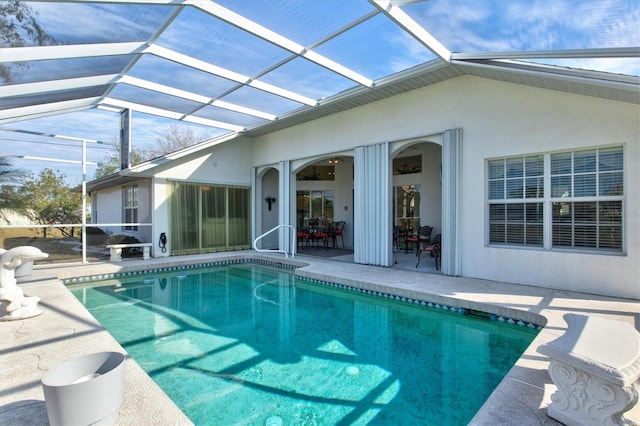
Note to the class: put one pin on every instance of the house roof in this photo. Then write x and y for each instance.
(108, 181)
(243, 67)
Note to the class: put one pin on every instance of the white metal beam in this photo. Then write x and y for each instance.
(614, 52)
(212, 123)
(167, 90)
(45, 110)
(247, 25)
(595, 78)
(168, 114)
(41, 53)
(397, 15)
(161, 88)
(224, 73)
(165, 2)
(56, 85)
(272, 37)
(52, 135)
(191, 62)
(243, 110)
(55, 160)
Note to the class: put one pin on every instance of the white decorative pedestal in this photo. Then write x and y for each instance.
(595, 366)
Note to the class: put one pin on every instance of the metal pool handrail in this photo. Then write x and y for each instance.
(293, 241)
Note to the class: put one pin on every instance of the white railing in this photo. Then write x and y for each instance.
(293, 241)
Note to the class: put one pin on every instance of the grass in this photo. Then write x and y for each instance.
(59, 247)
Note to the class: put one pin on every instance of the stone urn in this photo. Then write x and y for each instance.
(87, 390)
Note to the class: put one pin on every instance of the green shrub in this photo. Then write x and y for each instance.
(125, 239)
(96, 237)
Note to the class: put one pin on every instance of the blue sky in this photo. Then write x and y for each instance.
(375, 48)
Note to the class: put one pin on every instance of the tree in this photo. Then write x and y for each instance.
(170, 139)
(49, 201)
(10, 179)
(8, 173)
(111, 163)
(174, 138)
(18, 25)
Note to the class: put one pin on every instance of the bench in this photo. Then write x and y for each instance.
(595, 366)
(116, 250)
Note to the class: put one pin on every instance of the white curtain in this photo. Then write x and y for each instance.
(372, 209)
(208, 218)
(451, 169)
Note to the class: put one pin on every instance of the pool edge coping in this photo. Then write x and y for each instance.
(511, 316)
(525, 392)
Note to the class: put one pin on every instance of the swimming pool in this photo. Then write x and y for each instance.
(251, 344)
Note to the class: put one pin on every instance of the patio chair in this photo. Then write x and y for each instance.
(317, 234)
(336, 230)
(302, 238)
(396, 238)
(424, 236)
(433, 247)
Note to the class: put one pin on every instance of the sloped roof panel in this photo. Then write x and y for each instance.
(522, 25)
(240, 64)
(81, 22)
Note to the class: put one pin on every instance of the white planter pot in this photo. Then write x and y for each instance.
(86, 390)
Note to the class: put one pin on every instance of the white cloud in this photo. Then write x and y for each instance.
(84, 22)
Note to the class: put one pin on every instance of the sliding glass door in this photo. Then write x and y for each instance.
(314, 205)
(208, 218)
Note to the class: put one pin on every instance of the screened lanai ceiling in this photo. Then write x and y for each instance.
(238, 65)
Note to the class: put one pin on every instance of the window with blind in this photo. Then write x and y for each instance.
(130, 206)
(578, 195)
(587, 199)
(516, 191)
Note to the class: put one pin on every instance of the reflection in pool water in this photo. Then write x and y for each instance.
(248, 344)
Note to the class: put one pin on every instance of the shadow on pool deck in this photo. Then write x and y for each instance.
(65, 330)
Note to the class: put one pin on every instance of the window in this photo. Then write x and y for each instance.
(314, 205)
(208, 218)
(579, 199)
(130, 206)
(406, 206)
(586, 191)
(516, 208)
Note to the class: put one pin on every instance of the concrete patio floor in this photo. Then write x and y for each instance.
(30, 347)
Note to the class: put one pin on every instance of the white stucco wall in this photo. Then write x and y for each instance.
(498, 119)
(228, 163)
(107, 208)
(525, 121)
(269, 217)
(224, 164)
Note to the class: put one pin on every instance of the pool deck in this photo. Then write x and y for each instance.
(65, 330)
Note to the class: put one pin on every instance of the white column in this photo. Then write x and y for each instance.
(161, 192)
(84, 202)
(451, 169)
(256, 220)
(372, 209)
(125, 139)
(284, 205)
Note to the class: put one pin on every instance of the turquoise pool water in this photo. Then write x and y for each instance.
(248, 344)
